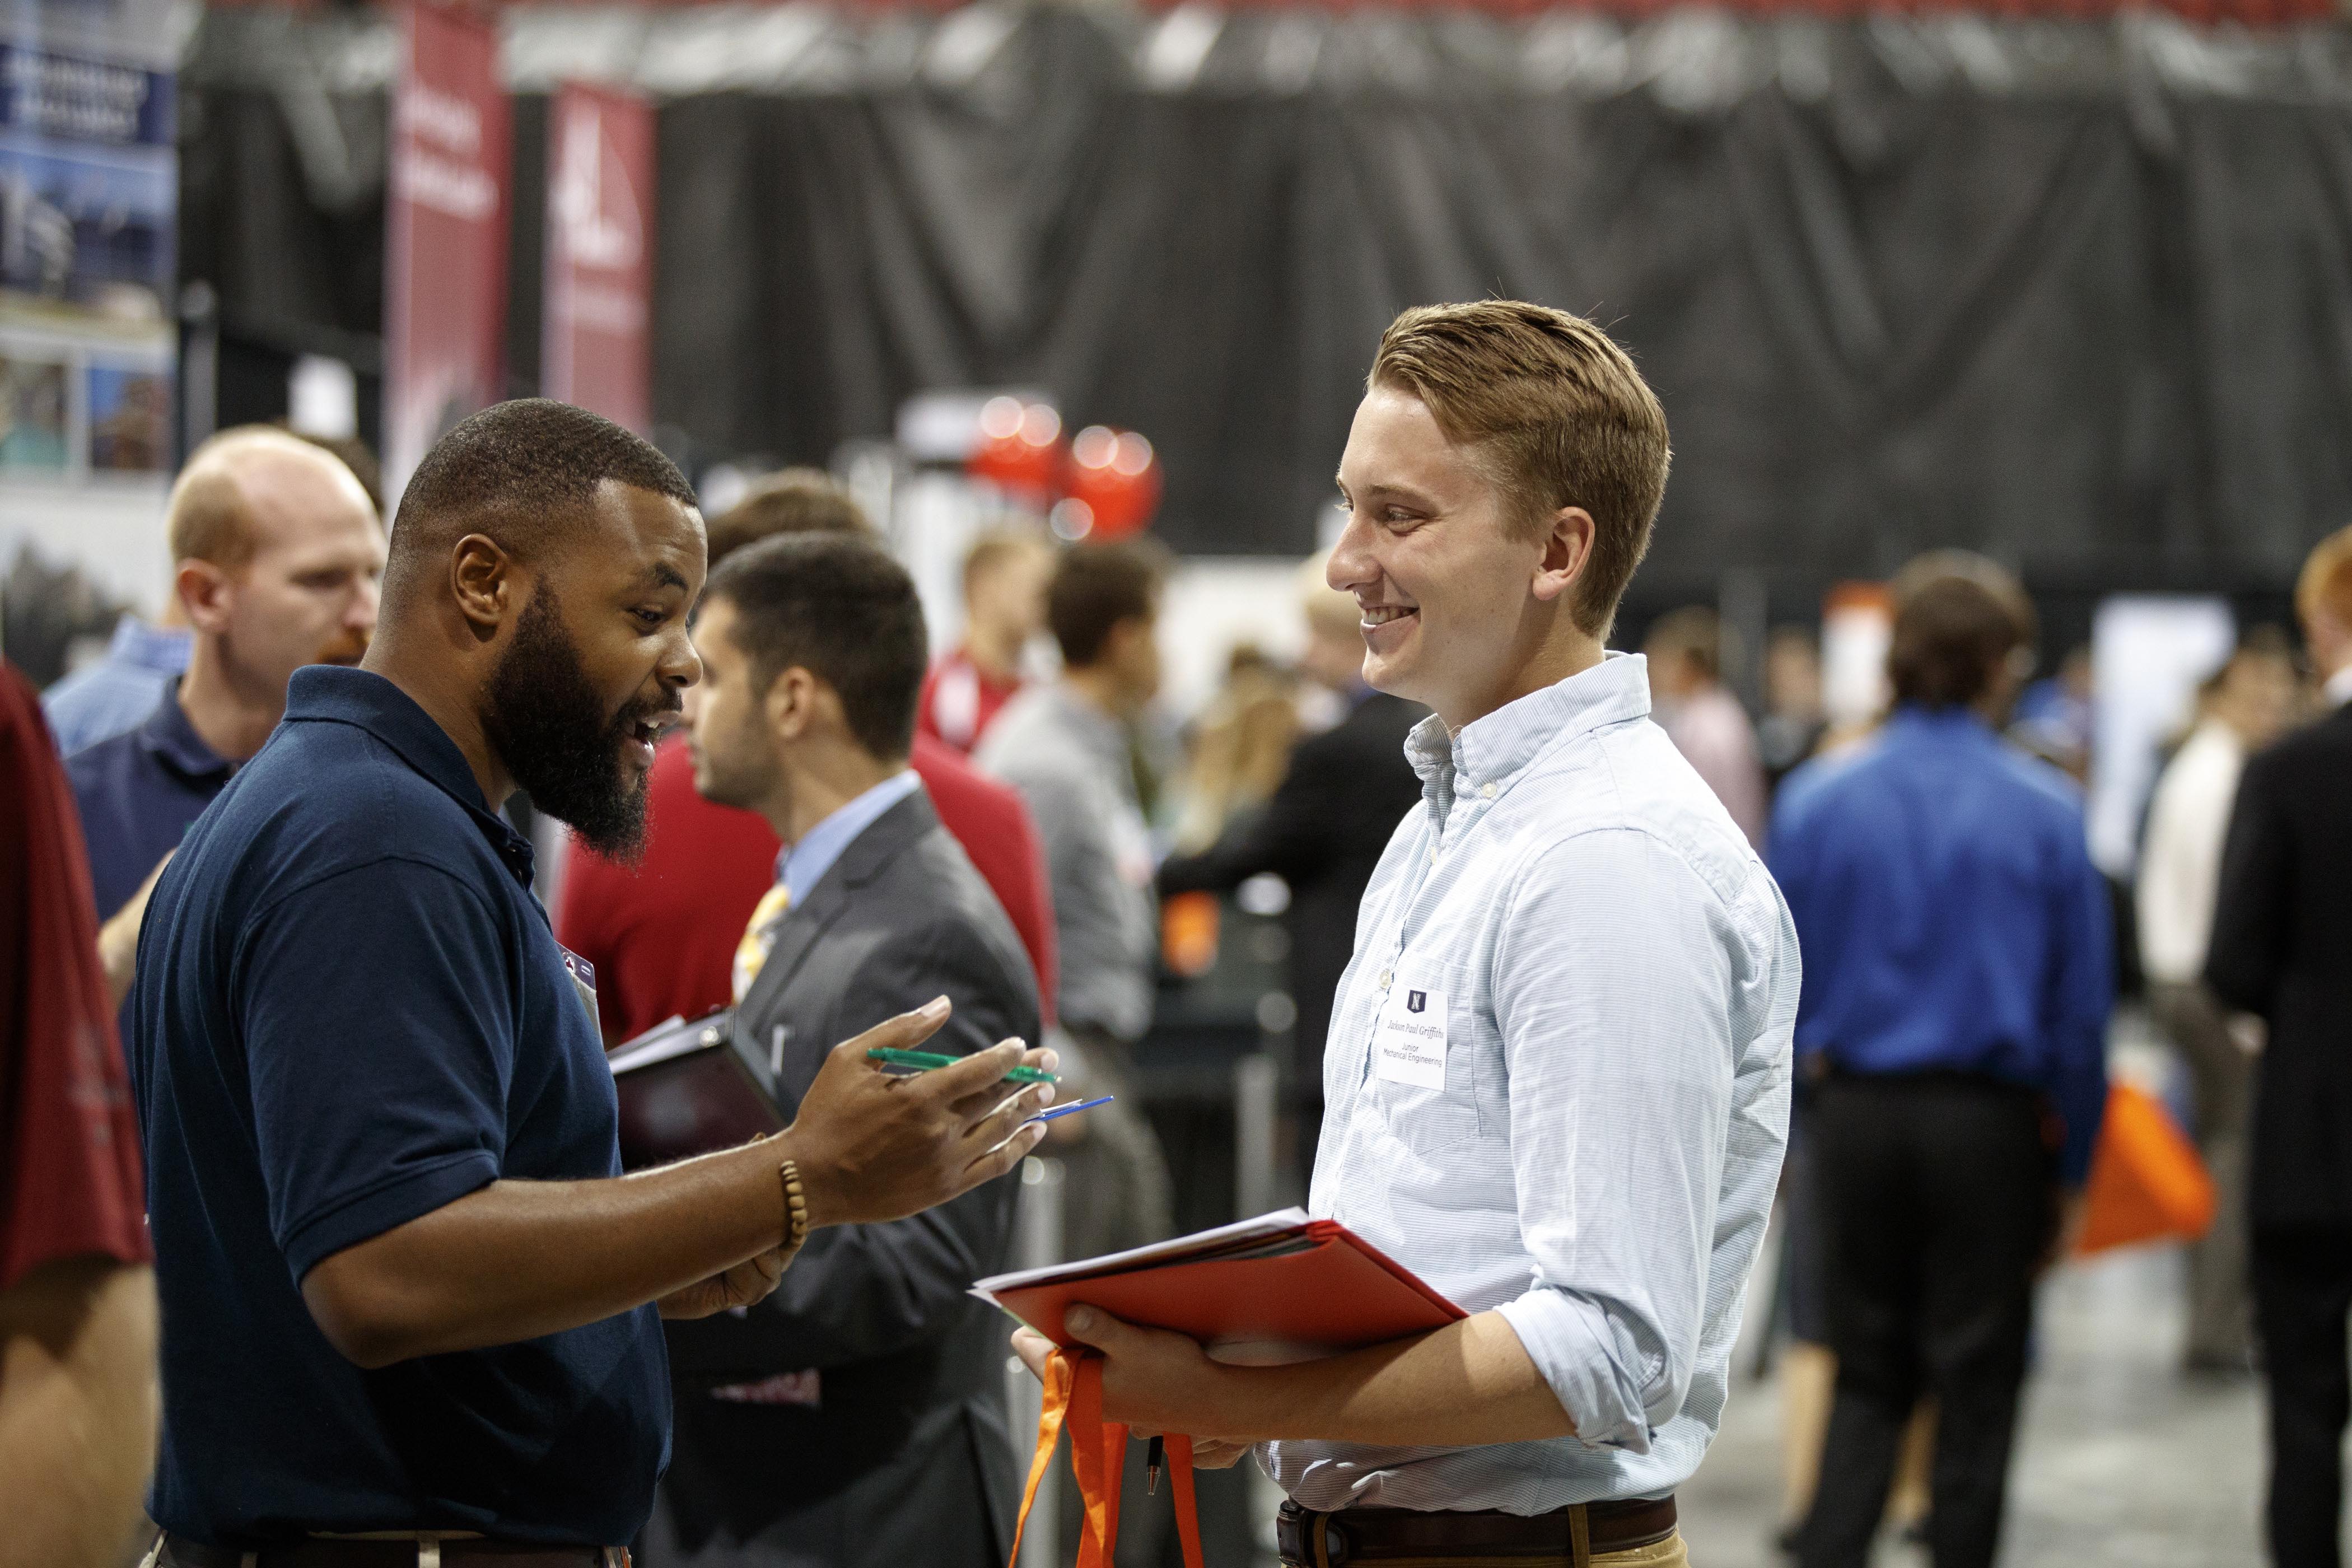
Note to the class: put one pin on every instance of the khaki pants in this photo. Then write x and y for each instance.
(1667, 1554)
(2220, 1315)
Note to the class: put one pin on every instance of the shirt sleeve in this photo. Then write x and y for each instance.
(2081, 996)
(70, 1181)
(1614, 990)
(2249, 909)
(380, 1035)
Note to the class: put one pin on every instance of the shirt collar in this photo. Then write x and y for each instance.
(1098, 728)
(163, 649)
(1498, 747)
(803, 865)
(1960, 723)
(171, 738)
(2339, 689)
(366, 700)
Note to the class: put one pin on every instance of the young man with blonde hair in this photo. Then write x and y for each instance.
(1588, 1170)
(1005, 579)
(2282, 926)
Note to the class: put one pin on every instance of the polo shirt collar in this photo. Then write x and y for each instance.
(168, 737)
(341, 695)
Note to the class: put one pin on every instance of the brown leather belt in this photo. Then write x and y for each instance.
(343, 1552)
(1572, 1534)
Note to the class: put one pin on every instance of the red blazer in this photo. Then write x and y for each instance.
(663, 936)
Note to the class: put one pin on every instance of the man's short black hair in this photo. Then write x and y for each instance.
(1095, 587)
(523, 473)
(839, 606)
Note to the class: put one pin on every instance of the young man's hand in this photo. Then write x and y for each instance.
(874, 1146)
(1154, 1382)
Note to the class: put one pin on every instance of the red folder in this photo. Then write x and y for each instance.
(1282, 1288)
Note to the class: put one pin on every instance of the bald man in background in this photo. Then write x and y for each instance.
(277, 553)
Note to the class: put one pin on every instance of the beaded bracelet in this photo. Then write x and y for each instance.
(796, 1214)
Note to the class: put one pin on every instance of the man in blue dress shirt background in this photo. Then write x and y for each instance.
(1958, 981)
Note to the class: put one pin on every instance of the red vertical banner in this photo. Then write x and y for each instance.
(446, 249)
(595, 345)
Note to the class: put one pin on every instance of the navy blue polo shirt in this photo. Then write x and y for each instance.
(349, 1012)
(137, 791)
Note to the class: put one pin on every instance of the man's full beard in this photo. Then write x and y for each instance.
(550, 728)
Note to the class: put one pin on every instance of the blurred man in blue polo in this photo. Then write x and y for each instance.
(409, 1301)
(113, 692)
(1588, 1169)
(1958, 981)
(278, 555)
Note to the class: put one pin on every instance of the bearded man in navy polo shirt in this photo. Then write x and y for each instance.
(406, 1293)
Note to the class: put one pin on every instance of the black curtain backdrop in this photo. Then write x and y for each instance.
(2079, 295)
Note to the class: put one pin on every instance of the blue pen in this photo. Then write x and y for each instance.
(1072, 1110)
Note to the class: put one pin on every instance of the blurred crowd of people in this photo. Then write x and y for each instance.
(1960, 952)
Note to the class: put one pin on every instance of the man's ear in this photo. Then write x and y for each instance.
(1567, 552)
(486, 584)
(791, 702)
(203, 590)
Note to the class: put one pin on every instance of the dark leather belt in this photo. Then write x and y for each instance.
(332, 1552)
(1572, 1535)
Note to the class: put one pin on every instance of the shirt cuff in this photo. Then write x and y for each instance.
(386, 1206)
(1572, 1345)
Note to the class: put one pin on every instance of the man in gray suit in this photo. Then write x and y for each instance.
(855, 1418)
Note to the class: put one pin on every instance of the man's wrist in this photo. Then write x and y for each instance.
(819, 1194)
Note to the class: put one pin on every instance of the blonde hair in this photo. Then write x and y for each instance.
(997, 546)
(1326, 610)
(1556, 414)
(2325, 580)
(207, 517)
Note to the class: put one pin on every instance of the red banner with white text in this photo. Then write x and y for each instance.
(445, 242)
(596, 346)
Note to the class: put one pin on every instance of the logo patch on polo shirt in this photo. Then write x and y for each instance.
(584, 982)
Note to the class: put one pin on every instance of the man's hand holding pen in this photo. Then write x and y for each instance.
(873, 1145)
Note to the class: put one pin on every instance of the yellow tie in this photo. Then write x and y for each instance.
(760, 937)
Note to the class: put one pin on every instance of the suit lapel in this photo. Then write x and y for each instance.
(805, 925)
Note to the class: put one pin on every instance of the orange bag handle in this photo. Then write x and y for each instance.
(1099, 1460)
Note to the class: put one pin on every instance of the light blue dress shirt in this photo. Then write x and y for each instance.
(1618, 979)
(115, 695)
(801, 867)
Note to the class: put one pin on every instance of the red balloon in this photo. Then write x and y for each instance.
(1021, 449)
(1117, 477)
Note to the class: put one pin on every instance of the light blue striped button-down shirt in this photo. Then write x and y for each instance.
(1618, 979)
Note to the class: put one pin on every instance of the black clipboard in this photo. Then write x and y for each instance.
(688, 1086)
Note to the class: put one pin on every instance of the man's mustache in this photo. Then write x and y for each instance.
(664, 715)
(344, 647)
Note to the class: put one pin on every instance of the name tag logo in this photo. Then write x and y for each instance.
(1409, 1037)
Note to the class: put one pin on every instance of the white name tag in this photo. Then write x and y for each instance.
(1409, 1040)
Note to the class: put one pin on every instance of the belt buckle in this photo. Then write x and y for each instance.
(1313, 1539)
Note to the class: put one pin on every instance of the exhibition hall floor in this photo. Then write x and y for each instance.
(2121, 1461)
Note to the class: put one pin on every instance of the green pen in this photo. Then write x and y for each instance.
(926, 1061)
